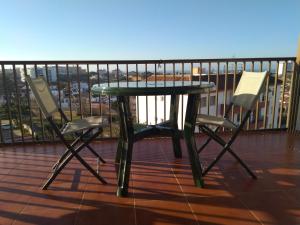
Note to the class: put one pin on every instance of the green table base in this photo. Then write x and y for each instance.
(128, 136)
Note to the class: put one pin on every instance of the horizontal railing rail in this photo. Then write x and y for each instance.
(149, 61)
(70, 81)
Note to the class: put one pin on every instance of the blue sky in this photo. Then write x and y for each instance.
(152, 29)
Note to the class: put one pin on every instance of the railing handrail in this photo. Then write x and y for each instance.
(160, 61)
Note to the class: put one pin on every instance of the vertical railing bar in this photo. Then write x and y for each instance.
(191, 76)
(165, 107)
(155, 97)
(109, 102)
(137, 75)
(137, 98)
(89, 88)
(182, 79)
(47, 78)
(29, 103)
(200, 68)
(275, 95)
(147, 121)
(174, 74)
(241, 108)
(208, 93)
(217, 90)
(174, 77)
(99, 96)
(290, 94)
(1, 134)
(282, 94)
(182, 73)
(40, 112)
(8, 104)
(155, 74)
(127, 74)
(48, 82)
(295, 91)
(58, 89)
(46, 72)
(69, 90)
(225, 88)
(257, 103)
(251, 115)
(233, 89)
(164, 73)
(267, 97)
(118, 75)
(19, 103)
(79, 90)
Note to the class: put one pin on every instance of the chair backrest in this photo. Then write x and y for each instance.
(43, 95)
(249, 89)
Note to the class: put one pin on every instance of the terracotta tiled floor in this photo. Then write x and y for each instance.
(161, 191)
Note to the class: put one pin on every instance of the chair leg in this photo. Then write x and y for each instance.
(65, 162)
(74, 152)
(207, 141)
(76, 141)
(242, 163)
(96, 154)
(203, 146)
(119, 150)
(214, 162)
(90, 148)
(67, 152)
(226, 147)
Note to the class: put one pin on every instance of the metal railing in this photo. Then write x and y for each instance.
(21, 120)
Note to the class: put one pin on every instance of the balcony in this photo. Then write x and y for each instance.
(161, 188)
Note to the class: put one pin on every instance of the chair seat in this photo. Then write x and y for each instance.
(215, 120)
(83, 124)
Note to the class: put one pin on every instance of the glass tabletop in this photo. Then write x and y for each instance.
(134, 88)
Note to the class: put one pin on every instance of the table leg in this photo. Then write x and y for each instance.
(174, 125)
(125, 145)
(189, 131)
(120, 147)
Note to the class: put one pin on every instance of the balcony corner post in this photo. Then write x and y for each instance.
(294, 118)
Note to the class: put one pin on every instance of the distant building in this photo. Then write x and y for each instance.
(53, 72)
(156, 109)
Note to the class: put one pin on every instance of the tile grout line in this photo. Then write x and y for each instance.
(134, 202)
(251, 212)
(133, 193)
(184, 195)
(81, 201)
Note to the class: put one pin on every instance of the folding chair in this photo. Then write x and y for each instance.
(247, 92)
(82, 129)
